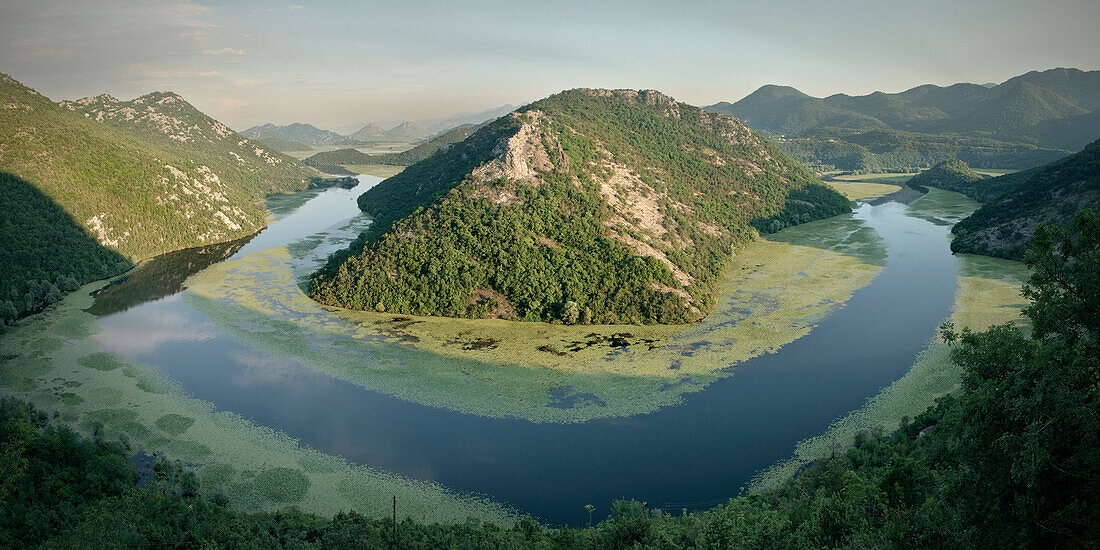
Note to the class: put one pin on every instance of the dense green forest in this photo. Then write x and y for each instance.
(404, 158)
(45, 252)
(1027, 121)
(1009, 461)
(1016, 203)
(536, 216)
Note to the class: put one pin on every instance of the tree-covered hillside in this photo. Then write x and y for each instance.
(45, 253)
(588, 206)
(134, 191)
(168, 122)
(1008, 461)
(404, 158)
(1015, 204)
(1027, 121)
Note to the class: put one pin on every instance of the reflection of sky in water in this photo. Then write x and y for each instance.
(145, 329)
(702, 450)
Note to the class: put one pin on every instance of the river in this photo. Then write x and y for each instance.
(693, 455)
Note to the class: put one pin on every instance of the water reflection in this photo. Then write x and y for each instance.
(161, 276)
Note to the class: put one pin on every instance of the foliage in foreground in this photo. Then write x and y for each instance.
(1009, 462)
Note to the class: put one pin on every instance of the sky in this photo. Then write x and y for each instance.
(339, 64)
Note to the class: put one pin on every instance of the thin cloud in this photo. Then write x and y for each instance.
(224, 51)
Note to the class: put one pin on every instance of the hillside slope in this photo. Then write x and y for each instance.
(1050, 194)
(114, 196)
(587, 206)
(170, 123)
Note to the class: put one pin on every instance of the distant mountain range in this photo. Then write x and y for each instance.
(369, 132)
(328, 160)
(1026, 121)
(407, 130)
(442, 124)
(296, 132)
(292, 136)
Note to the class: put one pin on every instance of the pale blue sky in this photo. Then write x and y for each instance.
(337, 64)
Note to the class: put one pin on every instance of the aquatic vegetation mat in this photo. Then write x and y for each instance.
(775, 291)
(257, 467)
(862, 190)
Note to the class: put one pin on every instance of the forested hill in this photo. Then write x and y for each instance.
(1050, 194)
(167, 121)
(587, 206)
(104, 187)
(953, 175)
(412, 156)
(1026, 121)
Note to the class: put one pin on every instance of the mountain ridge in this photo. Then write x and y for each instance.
(120, 190)
(297, 131)
(1028, 120)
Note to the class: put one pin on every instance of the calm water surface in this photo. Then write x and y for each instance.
(693, 455)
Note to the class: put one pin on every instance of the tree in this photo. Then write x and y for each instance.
(8, 311)
(1026, 433)
(570, 313)
(1065, 287)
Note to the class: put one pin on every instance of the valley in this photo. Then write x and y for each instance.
(269, 384)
